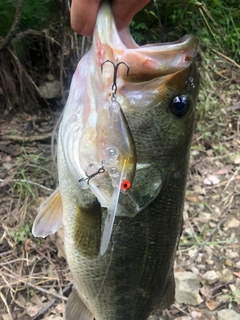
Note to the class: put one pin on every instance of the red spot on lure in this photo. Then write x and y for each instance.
(125, 185)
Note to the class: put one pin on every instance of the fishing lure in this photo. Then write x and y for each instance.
(120, 155)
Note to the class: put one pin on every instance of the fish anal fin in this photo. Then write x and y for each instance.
(76, 309)
(87, 231)
(49, 218)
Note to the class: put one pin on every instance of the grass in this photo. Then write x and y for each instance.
(197, 241)
(233, 298)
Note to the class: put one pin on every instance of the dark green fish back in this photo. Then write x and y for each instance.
(133, 277)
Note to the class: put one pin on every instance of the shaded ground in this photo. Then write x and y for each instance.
(34, 277)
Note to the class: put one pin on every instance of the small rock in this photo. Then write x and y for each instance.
(50, 90)
(233, 223)
(191, 197)
(8, 166)
(192, 252)
(227, 276)
(217, 210)
(210, 262)
(211, 277)
(153, 318)
(50, 77)
(237, 159)
(187, 288)
(195, 270)
(197, 314)
(199, 258)
(231, 254)
(202, 267)
(235, 292)
(227, 314)
(225, 291)
(230, 263)
(212, 304)
(212, 225)
(204, 217)
(233, 238)
(209, 251)
(211, 180)
(198, 189)
(232, 287)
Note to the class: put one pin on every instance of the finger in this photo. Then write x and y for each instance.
(124, 11)
(83, 16)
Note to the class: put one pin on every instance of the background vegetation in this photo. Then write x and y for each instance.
(215, 22)
(43, 42)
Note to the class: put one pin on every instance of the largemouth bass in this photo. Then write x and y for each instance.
(123, 153)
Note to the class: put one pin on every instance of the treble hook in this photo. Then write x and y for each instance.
(100, 170)
(115, 66)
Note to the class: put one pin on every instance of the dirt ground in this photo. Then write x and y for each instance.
(34, 276)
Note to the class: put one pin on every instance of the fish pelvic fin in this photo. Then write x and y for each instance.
(49, 218)
(76, 309)
(87, 231)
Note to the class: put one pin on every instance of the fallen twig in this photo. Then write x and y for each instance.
(234, 107)
(27, 181)
(6, 305)
(29, 284)
(49, 305)
(28, 139)
(15, 260)
(13, 30)
(227, 58)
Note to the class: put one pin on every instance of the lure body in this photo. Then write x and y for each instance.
(122, 167)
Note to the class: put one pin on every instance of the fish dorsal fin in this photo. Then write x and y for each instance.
(76, 309)
(49, 218)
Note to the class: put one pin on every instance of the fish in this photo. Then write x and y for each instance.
(123, 150)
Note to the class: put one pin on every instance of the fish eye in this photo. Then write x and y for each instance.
(180, 106)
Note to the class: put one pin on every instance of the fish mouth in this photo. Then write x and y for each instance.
(145, 62)
(161, 59)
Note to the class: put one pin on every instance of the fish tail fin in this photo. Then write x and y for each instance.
(76, 309)
(49, 218)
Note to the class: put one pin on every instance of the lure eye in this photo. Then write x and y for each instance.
(180, 106)
(125, 185)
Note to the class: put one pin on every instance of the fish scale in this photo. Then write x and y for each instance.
(158, 225)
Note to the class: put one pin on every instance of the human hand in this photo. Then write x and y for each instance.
(84, 13)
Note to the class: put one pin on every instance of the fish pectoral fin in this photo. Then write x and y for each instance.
(49, 218)
(76, 309)
(87, 229)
